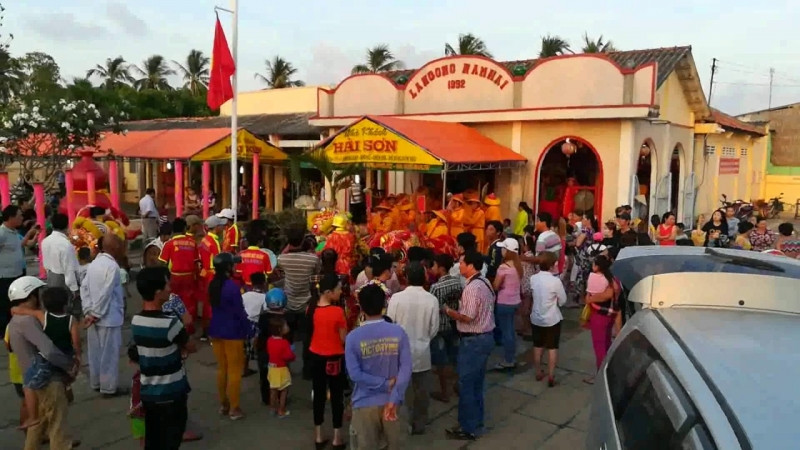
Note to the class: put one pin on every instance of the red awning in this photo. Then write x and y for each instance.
(163, 144)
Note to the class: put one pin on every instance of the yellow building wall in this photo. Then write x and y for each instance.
(274, 101)
(788, 186)
(672, 102)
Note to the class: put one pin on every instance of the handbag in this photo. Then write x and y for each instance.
(586, 313)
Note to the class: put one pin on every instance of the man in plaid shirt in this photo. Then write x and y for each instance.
(444, 347)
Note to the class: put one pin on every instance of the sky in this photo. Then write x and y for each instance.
(325, 39)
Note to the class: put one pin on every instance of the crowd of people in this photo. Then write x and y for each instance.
(368, 330)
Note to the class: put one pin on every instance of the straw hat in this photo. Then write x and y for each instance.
(491, 200)
(458, 198)
(440, 215)
(472, 196)
(384, 205)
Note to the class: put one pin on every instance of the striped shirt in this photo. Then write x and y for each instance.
(298, 268)
(477, 303)
(448, 291)
(159, 338)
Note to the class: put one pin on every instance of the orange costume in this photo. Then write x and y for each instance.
(492, 211)
(408, 215)
(230, 241)
(475, 222)
(382, 221)
(344, 243)
(458, 215)
(207, 249)
(568, 206)
(254, 260)
(180, 255)
(437, 226)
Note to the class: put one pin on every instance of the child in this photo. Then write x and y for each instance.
(597, 282)
(254, 304)
(84, 258)
(742, 241)
(276, 303)
(507, 229)
(280, 354)
(136, 410)
(63, 331)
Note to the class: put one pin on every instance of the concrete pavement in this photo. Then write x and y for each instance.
(521, 413)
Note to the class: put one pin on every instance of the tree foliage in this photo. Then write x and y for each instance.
(379, 59)
(468, 44)
(554, 46)
(279, 74)
(339, 176)
(597, 46)
(195, 72)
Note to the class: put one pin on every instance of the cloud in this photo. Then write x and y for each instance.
(126, 20)
(62, 26)
(413, 58)
(328, 65)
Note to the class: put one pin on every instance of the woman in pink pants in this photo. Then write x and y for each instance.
(605, 310)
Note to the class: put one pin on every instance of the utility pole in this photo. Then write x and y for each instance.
(771, 76)
(711, 84)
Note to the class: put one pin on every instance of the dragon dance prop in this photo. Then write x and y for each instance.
(85, 231)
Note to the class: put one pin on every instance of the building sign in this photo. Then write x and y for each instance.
(247, 145)
(378, 147)
(729, 166)
(457, 75)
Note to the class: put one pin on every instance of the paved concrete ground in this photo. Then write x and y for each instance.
(521, 412)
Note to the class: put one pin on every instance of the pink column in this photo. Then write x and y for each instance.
(206, 181)
(38, 197)
(256, 183)
(91, 188)
(178, 188)
(5, 189)
(69, 182)
(113, 182)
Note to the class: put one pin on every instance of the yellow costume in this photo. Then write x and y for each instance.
(458, 215)
(492, 211)
(437, 226)
(475, 222)
(408, 215)
(382, 221)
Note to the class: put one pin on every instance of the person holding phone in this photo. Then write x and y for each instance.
(12, 256)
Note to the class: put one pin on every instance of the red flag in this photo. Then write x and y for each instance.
(222, 68)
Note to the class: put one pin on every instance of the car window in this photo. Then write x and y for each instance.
(651, 409)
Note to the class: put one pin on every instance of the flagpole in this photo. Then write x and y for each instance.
(234, 118)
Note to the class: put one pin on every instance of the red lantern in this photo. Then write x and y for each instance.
(568, 148)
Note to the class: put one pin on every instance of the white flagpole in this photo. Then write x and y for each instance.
(234, 119)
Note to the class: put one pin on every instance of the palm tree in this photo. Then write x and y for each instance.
(553, 46)
(279, 74)
(113, 73)
(598, 46)
(339, 176)
(468, 44)
(195, 72)
(379, 59)
(153, 73)
(11, 76)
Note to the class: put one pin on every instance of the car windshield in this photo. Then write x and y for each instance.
(633, 268)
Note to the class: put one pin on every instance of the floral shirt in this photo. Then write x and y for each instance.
(761, 242)
(174, 306)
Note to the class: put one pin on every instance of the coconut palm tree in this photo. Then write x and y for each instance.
(468, 44)
(553, 46)
(339, 176)
(195, 72)
(279, 74)
(114, 73)
(10, 76)
(597, 46)
(379, 59)
(153, 74)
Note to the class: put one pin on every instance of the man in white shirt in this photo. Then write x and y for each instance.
(549, 295)
(149, 214)
(59, 258)
(104, 311)
(548, 241)
(417, 312)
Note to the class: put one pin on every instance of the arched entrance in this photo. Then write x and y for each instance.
(675, 164)
(645, 181)
(569, 177)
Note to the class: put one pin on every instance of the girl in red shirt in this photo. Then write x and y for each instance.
(280, 355)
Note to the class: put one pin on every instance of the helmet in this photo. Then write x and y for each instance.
(340, 221)
(22, 287)
(276, 298)
(226, 261)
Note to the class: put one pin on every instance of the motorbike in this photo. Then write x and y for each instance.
(774, 207)
(742, 210)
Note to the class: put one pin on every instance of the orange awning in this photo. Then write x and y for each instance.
(416, 145)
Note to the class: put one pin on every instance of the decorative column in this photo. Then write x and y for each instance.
(5, 189)
(269, 201)
(38, 196)
(178, 188)
(256, 184)
(69, 183)
(113, 182)
(278, 182)
(91, 188)
(206, 175)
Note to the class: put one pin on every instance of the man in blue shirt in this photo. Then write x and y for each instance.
(378, 357)
(161, 341)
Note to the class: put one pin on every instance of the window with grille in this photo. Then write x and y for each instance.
(729, 152)
(711, 150)
(743, 152)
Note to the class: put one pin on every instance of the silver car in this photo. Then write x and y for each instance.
(710, 359)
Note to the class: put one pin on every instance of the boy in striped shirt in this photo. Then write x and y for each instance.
(161, 341)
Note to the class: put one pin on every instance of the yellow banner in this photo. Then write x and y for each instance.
(247, 145)
(377, 147)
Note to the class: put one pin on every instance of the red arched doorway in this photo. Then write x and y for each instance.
(555, 167)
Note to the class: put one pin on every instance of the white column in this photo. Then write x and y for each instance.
(518, 189)
(628, 151)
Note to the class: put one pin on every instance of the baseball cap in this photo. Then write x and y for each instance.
(510, 244)
(226, 213)
(192, 220)
(214, 222)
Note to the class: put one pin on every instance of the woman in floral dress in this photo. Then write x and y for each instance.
(583, 266)
(761, 238)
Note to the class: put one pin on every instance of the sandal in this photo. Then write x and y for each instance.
(321, 445)
(551, 381)
(540, 375)
(236, 414)
(224, 410)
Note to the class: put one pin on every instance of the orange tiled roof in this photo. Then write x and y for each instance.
(164, 144)
(726, 121)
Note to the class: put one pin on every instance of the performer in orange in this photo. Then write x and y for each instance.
(230, 240)
(568, 204)
(382, 221)
(492, 211)
(208, 248)
(408, 215)
(437, 226)
(254, 260)
(475, 221)
(343, 241)
(394, 204)
(457, 216)
(181, 256)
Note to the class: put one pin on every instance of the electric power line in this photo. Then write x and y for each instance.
(737, 83)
